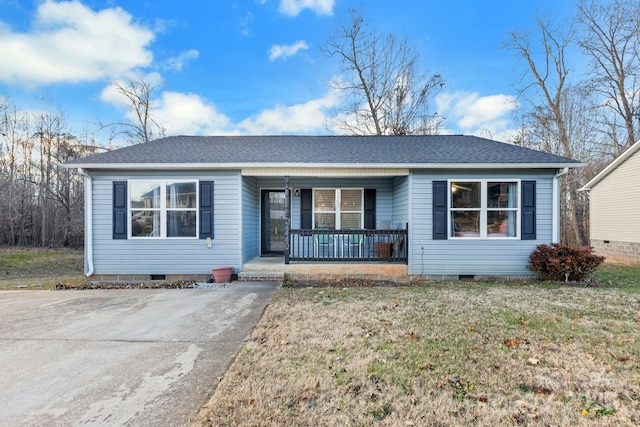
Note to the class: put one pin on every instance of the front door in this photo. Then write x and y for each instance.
(272, 227)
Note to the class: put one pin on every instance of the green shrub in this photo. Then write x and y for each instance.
(563, 263)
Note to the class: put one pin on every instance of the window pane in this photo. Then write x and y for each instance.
(502, 224)
(181, 223)
(145, 223)
(350, 221)
(350, 201)
(502, 195)
(465, 194)
(145, 194)
(181, 195)
(325, 200)
(325, 220)
(466, 223)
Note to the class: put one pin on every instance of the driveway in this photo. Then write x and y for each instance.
(119, 357)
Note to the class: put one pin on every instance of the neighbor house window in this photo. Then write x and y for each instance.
(336, 209)
(163, 208)
(484, 209)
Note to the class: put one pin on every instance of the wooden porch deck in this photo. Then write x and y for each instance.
(274, 268)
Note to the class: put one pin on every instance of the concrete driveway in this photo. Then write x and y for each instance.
(119, 357)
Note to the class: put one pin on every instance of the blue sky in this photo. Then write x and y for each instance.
(251, 66)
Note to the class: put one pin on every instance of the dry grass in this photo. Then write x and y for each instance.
(437, 355)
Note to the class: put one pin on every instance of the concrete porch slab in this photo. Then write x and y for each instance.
(312, 271)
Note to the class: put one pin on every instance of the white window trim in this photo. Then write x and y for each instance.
(163, 208)
(337, 211)
(484, 209)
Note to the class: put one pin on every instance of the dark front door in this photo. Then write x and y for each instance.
(272, 228)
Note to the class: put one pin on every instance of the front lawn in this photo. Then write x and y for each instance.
(441, 354)
(40, 268)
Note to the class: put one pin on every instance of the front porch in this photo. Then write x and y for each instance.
(274, 268)
(326, 224)
(346, 245)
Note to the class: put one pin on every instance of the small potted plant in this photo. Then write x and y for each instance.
(222, 274)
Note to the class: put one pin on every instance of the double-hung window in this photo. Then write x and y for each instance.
(338, 209)
(484, 209)
(163, 208)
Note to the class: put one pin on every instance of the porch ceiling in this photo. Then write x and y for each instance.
(325, 172)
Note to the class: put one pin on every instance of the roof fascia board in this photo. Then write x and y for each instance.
(289, 166)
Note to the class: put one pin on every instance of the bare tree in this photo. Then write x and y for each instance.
(4, 106)
(11, 202)
(144, 126)
(385, 90)
(40, 203)
(610, 36)
(55, 144)
(551, 109)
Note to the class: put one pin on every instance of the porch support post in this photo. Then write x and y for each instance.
(287, 219)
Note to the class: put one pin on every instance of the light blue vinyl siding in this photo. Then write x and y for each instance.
(250, 218)
(473, 257)
(400, 201)
(383, 186)
(167, 256)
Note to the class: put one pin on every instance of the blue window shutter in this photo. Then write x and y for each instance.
(119, 209)
(206, 209)
(528, 210)
(440, 210)
(370, 208)
(306, 209)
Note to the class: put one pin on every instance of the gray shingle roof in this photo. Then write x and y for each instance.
(323, 150)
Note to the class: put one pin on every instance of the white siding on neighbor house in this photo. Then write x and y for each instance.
(250, 218)
(477, 257)
(615, 204)
(167, 256)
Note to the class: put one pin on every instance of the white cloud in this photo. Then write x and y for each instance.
(179, 113)
(190, 114)
(245, 24)
(177, 62)
(294, 7)
(285, 51)
(486, 116)
(70, 42)
(309, 117)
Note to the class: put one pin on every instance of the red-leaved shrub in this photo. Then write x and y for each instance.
(563, 263)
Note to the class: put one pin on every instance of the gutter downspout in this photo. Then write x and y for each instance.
(88, 221)
(555, 217)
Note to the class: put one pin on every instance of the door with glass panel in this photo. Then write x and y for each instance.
(272, 218)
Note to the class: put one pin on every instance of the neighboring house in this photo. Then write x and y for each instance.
(614, 205)
(438, 206)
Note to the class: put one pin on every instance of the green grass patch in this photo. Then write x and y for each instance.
(37, 268)
(618, 276)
